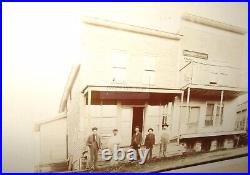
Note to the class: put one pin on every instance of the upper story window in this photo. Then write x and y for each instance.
(149, 70)
(119, 66)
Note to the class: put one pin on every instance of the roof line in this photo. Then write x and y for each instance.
(128, 87)
(130, 28)
(57, 117)
(213, 23)
(71, 79)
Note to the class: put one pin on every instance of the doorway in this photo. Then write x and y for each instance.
(137, 118)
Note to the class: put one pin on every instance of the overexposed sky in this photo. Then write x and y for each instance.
(42, 40)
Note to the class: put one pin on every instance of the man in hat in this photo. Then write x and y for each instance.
(94, 144)
(149, 142)
(136, 141)
(164, 140)
(114, 142)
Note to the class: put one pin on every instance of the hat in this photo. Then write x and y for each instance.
(115, 129)
(150, 129)
(94, 128)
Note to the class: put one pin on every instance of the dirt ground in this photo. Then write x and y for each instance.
(173, 162)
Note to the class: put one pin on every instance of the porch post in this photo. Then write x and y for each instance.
(89, 103)
(187, 110)
(179, 121)
(221, 101)
(188, 97)
(89, 97)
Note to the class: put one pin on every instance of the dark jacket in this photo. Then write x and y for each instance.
(149, 140)
(136, 139)
(92, 143)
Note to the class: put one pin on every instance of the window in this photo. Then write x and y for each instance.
(241, 120)
(213, 117)
(219, 119)
(164, 116)
(119, 66)
(164, 119)
(209, 115)
(149, 70)
(194, 114)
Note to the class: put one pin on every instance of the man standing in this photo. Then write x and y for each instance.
(94, 144)
(114, 142)
(164, 140)
(149, 142)
(136, 141)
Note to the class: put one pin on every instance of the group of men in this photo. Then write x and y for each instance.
(94, 143)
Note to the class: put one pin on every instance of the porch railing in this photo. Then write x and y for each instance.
(200, 73)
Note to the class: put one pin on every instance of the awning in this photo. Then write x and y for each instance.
(131, 98)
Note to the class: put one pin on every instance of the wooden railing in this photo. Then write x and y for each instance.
(200, 73)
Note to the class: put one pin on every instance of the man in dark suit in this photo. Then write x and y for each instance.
(136, 141)
(149, 142)
(94, 144)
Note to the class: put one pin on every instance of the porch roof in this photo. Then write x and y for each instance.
(121, 88)
(214, 93)
(130, 95)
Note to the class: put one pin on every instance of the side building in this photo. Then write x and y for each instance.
(52, 144)
(213, 78)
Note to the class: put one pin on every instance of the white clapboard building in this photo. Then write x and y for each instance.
(194, 80)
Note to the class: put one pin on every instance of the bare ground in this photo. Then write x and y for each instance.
(174, 162)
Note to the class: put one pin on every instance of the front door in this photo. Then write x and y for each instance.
(137, 118)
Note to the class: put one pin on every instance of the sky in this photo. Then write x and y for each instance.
(42, 40)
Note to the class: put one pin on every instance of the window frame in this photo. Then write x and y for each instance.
(189, 114)
(118, 67)
(214, 115)
(149, 70)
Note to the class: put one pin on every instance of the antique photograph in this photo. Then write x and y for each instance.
(125, 87)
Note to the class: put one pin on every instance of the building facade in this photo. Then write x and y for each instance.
(136, 76)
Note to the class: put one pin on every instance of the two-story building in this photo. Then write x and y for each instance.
(136, 76)
(213, 78)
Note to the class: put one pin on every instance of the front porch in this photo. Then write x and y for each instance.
(204, 111)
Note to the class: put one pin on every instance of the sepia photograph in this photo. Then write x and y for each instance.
(125, 87)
